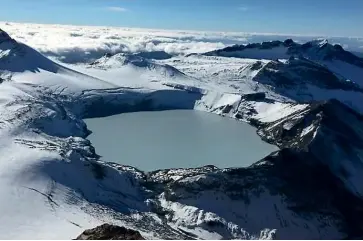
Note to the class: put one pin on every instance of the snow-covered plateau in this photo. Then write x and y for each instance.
(304, 98)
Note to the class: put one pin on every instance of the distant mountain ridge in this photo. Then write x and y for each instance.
(315, 50)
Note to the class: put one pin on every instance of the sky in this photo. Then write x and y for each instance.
(306, 17)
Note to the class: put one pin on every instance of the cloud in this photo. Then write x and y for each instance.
(116, 9)
(73, 44)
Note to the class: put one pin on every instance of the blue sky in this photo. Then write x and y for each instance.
(322, 17)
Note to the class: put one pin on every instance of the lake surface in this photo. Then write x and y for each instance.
(177, 138)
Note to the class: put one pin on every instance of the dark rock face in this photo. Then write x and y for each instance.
(110, 232)
(254, 97)
(289, 42)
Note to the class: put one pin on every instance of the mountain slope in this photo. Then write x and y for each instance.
(17, 57)
(333, 57)
(303, 80)
(120, 60)
(296, 79)
(53, 184)
(21, 63)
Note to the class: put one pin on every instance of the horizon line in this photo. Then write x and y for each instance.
(183, 30)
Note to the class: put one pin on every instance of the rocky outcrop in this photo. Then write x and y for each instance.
(110, 232)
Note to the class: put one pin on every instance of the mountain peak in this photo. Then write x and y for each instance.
(18, 57)
(4, 36)
(320, 42)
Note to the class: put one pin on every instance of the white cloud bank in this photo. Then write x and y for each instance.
(85, 43)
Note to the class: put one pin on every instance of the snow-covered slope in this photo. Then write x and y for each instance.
(53, 184)
(17, 57)
(296, 79)
(333, 57)
(120, 60)
(22, 64)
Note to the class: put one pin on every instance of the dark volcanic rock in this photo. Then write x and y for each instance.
(254, 96)
(110, 232)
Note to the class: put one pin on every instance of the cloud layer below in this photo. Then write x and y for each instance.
(73, 44)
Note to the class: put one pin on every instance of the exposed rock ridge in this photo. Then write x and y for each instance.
(110, 232)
